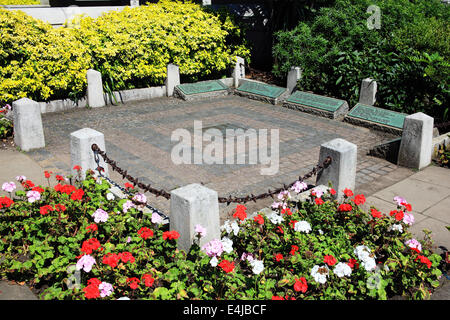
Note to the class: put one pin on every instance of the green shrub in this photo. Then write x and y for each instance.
(408, 55)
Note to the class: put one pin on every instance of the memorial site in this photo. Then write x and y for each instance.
(224, 151)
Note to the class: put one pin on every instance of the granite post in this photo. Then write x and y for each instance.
(28, 129)
(293, 76)
(341, 173)
(417, 141)
(81, 153)
(173, 78)
(191, 205)
(367, 94)
(238, 71)
(94, 94)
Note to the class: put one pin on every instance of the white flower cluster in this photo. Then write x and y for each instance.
(230, 227)
(320, 273)
(368, 259)
(257, 266)
(396, 227)
(302, 226)
(275, 218)
(342, 269)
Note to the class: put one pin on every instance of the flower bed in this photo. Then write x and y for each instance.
(317, 249)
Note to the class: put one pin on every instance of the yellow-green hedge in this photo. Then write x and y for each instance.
(131, 48)
(19, 2)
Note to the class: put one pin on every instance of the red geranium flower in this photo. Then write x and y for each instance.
(77, 167)
(111, 259)
(171, 235)
(407, 206)
(60, 207)
(345, 207)
(278, 257)
(133, 282)
(47, 174)
(59, 178)
(294, 249)
(277, 298)
(375, 213)
(424, 260)
(300, 285)
(399, 215)
(5, 202)
(348, 193)
(28, 184)
(38, 189)
(129, 185)
(240, 212)
(227, 266)
(77, 195)
(319, 201)
(352, 263)
(329, 260)
(91, 291)
(148, 280)
(286, 211)
(280, 229)
(90, 245)
(92, 227)
(145, 233)
(45, 209)
(126, 256)
(259, 219)
(332, 191)
(359, 199)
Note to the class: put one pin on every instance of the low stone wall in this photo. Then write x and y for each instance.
(439, 141)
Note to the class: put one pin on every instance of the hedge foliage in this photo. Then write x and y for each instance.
(408, 55)
(131, 49)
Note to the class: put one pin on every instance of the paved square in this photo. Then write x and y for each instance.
(138, 137)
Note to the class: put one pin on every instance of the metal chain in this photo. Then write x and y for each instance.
(165, 194)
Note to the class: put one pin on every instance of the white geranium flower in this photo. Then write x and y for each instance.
(227, 244)
(230, 227)
(369, 264)
(342, 269)
(257, 266)
(214, 261)
(320, 273)
(362, 252)
(275, 218)
(396, 227)
(109, 196)
(302, 226)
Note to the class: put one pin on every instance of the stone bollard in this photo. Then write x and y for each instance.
(94, 94)
(238, 71)
(293, 76)
(28, 130)
(81, 153)
(342, 171)
(417, 139)
(191, 205)
(173, 78)
(367, 94)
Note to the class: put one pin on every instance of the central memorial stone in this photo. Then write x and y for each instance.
(320, 105)
(202, 89)
(260, 91)
(377, 118)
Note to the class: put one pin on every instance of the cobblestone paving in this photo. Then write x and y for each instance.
(138, 137)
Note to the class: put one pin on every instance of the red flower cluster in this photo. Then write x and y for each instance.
(329, 260)
(126, 256)
(5, 202)
(345, 207)
(145, 233)
(128, 185)
(38, 189)
(332, 191)
(171, 235)
(77, 167)
(90, 245)
(148, 280)
(294, 249)
(65, 188)
(45, 209)
(259, 219)
(286, 211)
(300, 285)
(359, 199)
(375, 213)
(348, 193)
(77, 195)
(92, 227)
(240, 212)
(424, 260)
(278, 257)
(111, 259)
(60, 207)
(226, 266)
(319, 201)
(91, 291)
(398, 214)
(352, 263)
(133, 282)
(28, 184)
(48, 174)
(59, 178)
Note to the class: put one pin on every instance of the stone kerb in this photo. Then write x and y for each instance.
(28, 129)
(81, 153)
(367, 94)
(341, 173)
(417, 139)
(191, 205)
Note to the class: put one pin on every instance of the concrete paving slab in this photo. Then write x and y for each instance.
(434, 174)
(440, 234)
(440, 211)
(10, 291)
(421, 195)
